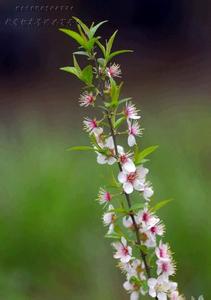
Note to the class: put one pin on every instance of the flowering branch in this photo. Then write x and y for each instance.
(139, 248)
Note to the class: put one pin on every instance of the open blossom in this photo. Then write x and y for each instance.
(134, 130)
(86, 99)
(163, 252)
(109, 156)
(131, 112)
(133, 180)
(114, 71)
(152, 233)
(166, 268)
(91, 125)
(104, 196)
(123, 251)
(109, 218)
(125, 160)
(146, 219)
(161, 287)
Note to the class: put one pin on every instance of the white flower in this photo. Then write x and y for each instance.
(152, 232)
(114, 71)
(146, 219)
(166, 268)
(160, 287)
(86, 99)
(125, 160)
(133, 131)
(124, 252)
(109, 218)
(131, 112)
(163, 252)
(104, 196)
(91, 125)
(109, 157)
(133, 180)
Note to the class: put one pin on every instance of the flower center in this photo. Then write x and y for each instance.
(131, 177)
(123, 158)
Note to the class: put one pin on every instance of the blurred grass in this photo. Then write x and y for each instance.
(52, 244)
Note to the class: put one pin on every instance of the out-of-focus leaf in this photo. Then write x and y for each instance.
(83, 26)
(119, 122)
(160, 204)
(124, 100)
(137, 206)
(81, 53)
(87, 75)
(70, 70)
(141, 155)
(80, 148)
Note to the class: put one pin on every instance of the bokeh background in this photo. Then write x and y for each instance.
(52, 245)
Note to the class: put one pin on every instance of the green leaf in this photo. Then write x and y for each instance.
(141, 155)
(119, 122)
(112, 55)
(115, 92)
(74, 35)
(110, 44)
(87, 75)
(93, 28)
(137, 206)
(124, 100)
(76, 65)
(81, 53)
(83, 26)
(80, 148)
(160, 204)
(113, 236)
(71, 70)
(102, 48)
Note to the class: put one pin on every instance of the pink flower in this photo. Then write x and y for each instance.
(146, 219)
(133, 180)
(163, 252)
(131, 112)
(114, 71)
(104, 196)
(133, 131)
(176, 296)
(109, 156)
(166, 268)
(91, 125)
(125, 160)
(147, 191)
(161, 287)
(86, 99)
(124, 252)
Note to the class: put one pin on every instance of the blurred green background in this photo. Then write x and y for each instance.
(52, 238)
(52, 244)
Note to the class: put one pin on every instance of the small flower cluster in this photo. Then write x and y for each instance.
(142, 255)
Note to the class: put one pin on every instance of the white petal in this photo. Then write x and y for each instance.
(127, 286)
(129, 166)
(122, 177)
(134, 295)
(162, 296)
(101, 159)
(142, 172)
(138, 185)
(120, 149)
(111, 160)
(152, 293)
(131, 140)
(152, 282)
(124, 242)
(148, 192)
(110, 143)
(128, 187)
